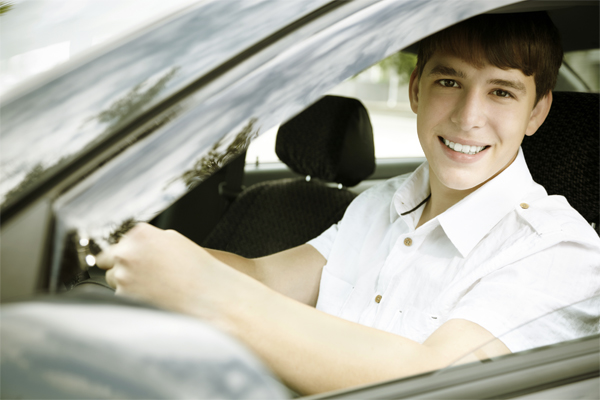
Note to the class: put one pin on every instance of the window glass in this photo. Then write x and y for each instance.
(44, 34)
(195, 137)
(582, 318)
(51, 119)
(383, 89)
(586, 64)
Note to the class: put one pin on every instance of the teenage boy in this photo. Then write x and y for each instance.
(423, 268)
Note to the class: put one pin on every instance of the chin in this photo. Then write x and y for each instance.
(461, 187)
(463, 184)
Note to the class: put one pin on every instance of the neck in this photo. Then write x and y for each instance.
(442, 198)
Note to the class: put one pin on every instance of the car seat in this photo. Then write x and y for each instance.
(563, 155)
(331, 144)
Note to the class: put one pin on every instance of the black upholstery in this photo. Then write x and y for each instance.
(331, 140)
(563, 155)
(278, 215)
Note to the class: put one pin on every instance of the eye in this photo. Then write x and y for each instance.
(502, 93)
(448, 82)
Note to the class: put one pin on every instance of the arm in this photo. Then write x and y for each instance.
(310, 350)
(314, 352)
(295, 273)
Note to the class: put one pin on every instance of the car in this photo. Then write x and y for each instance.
(153, 126)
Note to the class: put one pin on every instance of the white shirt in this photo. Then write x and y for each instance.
(504, 255)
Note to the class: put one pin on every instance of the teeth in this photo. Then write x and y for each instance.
(463, 148)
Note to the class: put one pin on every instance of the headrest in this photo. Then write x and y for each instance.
(563, 155)
(331, 140)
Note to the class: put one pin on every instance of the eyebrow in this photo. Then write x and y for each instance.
(516, 85)
(449, 71)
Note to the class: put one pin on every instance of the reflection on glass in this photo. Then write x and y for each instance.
(62, 114)
(150, 175)
(79, 247)
(39, 35)
(121, 230)
(30, 178)
(5, 6)
(576, 321)
(586, 64)
(383, 89)
(215, 159)
(119, 111)
(138, 97)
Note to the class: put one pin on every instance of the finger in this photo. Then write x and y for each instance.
(105, 259)
(110, 278)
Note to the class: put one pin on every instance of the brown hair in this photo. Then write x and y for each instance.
(526, 41)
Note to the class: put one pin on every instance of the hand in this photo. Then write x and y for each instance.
(170, 271)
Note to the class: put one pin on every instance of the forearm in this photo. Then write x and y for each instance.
(295, 272)
(308, 349)
(245, 265)
(314, 352)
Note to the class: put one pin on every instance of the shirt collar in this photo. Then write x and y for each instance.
(469, 220)
(410, 194)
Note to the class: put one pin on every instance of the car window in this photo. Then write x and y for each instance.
(53, 118)
(44, 34)
(563, 369)
(586, 64)
(204, 135)
(383, 89)
(584, 315)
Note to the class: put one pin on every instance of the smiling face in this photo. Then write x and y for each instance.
(471, 121)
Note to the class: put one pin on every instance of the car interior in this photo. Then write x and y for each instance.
(256, 211)
(329, 148)
(330, 145)
(239, 208)
(327, 157)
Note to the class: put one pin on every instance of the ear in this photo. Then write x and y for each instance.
(413, 91)
(539, 114)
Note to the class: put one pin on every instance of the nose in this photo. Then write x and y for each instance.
(469, 112)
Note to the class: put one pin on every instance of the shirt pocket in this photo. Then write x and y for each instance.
(414, 324)
(333, 293)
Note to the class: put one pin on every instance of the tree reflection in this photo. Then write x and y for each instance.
(5, 6)
(216, 159)
(119, 111)
(30, 178)
(403, 63)
(133, 101)
(117, 234)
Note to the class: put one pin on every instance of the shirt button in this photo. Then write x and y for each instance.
(408, 242)
(524, 206)
(378, 299)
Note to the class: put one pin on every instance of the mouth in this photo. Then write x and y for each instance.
(462, 148)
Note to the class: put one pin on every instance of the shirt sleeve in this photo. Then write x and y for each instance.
(546, 298)
(324, 242)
